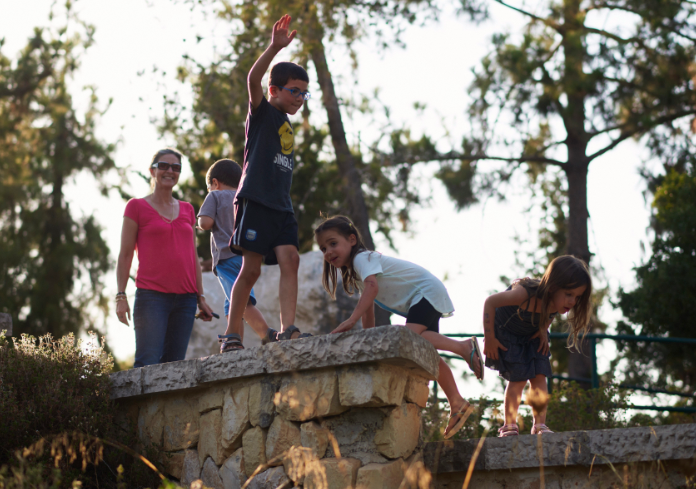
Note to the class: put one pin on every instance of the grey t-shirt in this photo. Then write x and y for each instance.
(269, 158)
(218, 205)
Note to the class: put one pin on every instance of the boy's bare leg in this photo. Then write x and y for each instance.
(289, 262)
(513, 397)
(248, 275)
(255, 319)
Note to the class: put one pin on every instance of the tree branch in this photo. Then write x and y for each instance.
(547, 22)
(453, 155)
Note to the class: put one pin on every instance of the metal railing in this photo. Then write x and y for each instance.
(592, 339)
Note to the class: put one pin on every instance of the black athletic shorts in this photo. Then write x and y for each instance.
(260, 229)
(424, 313)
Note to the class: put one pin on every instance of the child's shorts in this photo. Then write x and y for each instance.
(424, 313)
(260, 229)
(227, 271)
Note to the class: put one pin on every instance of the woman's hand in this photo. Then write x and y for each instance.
(344, 326)
(123, 311)
(543, 341)
(206, 311)
(490, 347)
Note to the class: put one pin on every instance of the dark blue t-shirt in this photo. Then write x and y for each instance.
(269, 158)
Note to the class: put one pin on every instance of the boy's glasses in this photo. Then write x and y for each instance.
(164, 166)
(296, 92)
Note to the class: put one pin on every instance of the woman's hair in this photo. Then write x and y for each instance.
(158, 155)
(564, 272)
(227, 172)
(345, 227)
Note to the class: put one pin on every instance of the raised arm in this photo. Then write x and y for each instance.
(365, 304)
(279, 39)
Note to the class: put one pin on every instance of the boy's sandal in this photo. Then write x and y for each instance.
(462, 415)
(540, 428)
(475, 350)
(271, 336)
(230, 342)
(287, 334)
(508, 430)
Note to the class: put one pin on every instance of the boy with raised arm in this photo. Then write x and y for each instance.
(265, 224)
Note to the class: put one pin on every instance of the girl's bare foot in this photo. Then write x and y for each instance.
(457, 418)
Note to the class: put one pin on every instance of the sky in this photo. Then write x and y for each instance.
(471, 249)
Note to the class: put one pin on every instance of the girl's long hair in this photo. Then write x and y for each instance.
(564, 272)
(345, 227)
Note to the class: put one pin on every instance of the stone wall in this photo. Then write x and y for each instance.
(332, 411)
(317, 313)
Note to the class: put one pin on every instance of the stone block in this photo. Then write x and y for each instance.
(210, 441)
(192, 468)
(371, 385)
(314, 437)
(232, 471)
(417, 391)
(296, 461)
(274, 478)
(254, 444)
(126, 383)
(180, 424)
(168, 377)
(231, 365)
(398, 436)
(380, 476)
(282, 435)
(210, 475)
(333, 473)
(211, 399)
(235, 417)
(173, 463)
(308, 395)
(355, 433)
(261, 407)
(151, 422)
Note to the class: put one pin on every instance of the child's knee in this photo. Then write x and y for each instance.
(250, 273)
(290, 263)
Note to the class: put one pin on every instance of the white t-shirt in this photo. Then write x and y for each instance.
(402, 284)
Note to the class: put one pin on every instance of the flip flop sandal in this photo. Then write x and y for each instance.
(271, 336)
(540, 428)
(287, 334)
(463, 414)
(508, 430)
(230, 342)
(476, 350)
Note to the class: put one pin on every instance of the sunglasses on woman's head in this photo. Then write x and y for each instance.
(164, 166)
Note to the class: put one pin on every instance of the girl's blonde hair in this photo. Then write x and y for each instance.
(564, 272)
(345, 227)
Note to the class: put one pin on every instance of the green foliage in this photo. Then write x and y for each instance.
(51, 263)
(486, 418)
(666, 292)
(572, 408)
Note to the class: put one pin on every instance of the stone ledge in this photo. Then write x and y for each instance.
(387, 344)
(584, 448)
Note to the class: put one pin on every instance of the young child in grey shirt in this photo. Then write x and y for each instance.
(217, 214)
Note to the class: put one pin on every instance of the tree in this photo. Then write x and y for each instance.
(666, 292)
(51, 263)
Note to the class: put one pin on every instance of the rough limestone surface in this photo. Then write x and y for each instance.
(394, 345)
(151, 422)
(210, 441)
(261, 407)
(274, 478)
(399, 434)
(192, 468)
(295, 462)
(314, 437)
(211, 399)
(355, 433)
(282, 435)
(316, 313)
(232, 471)
(380, 476)
(173, 463)
(254, 444)
(210, 475)
(235, 417)
(371, 385)
(180, 423)
(309, 395)
(337, 474)
(417, 391)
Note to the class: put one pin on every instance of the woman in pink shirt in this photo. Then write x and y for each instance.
(169, 282)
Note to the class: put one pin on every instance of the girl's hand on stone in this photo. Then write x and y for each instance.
(344, 326)
(490, 347)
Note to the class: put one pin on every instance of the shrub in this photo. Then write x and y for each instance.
(572, 408)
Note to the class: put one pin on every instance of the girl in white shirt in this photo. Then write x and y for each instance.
(402, 288)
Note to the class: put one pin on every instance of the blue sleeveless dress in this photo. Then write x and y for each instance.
(514, 329)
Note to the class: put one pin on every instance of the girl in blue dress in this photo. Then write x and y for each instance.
(516, 323)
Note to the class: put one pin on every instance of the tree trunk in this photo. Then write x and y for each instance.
(352, 183)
